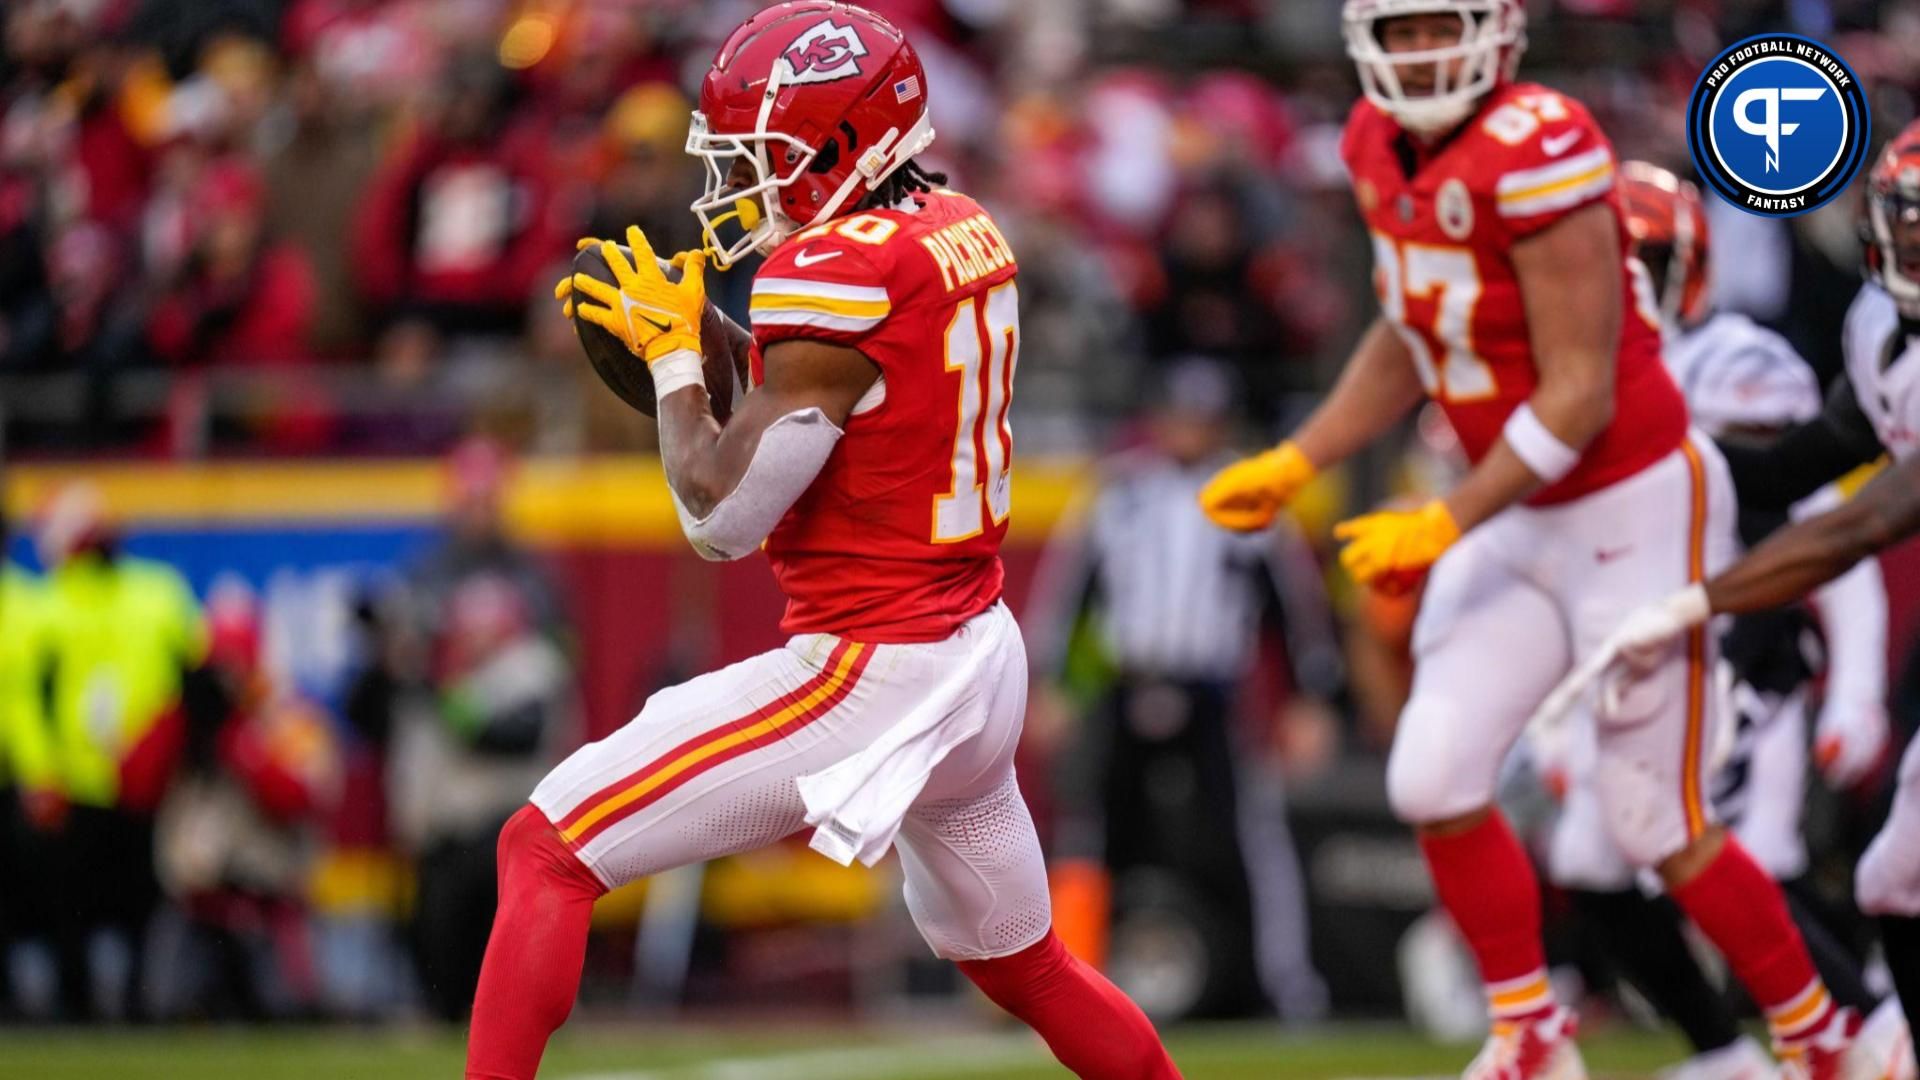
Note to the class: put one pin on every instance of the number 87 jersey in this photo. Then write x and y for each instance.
(1444, 221)
(898, 537)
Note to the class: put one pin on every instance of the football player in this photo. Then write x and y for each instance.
(1740, 381)
(872, 459)
(1874, 409)
(1509, 298)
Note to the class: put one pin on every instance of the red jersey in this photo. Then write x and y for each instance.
(898, 537)
(1442, 239)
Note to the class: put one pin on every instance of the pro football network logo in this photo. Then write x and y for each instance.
(823, 53)
(1777, 125)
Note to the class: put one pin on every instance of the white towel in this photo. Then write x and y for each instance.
(856, 806)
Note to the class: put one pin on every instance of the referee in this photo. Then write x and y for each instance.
(1155, 781)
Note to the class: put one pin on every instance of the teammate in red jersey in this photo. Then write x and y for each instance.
(872, 457)
(898, 538)
(1509, 297)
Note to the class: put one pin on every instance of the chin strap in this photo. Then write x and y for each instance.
(751, 212)
(746, 213)
(888, 153)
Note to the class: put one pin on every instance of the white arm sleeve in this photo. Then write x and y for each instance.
(1853, 615)
(791, 453)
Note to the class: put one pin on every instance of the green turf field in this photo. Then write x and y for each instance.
(615, 1052)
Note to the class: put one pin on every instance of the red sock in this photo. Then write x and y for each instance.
(1096, 1031)
(538, 947)
(1486, 883)
(1741, 910)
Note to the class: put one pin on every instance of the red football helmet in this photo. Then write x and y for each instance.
(1892, 228)
(820, 99)
(1668, 225)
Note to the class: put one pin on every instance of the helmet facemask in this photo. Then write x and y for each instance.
(765, 225)
(1666, 274)
(1891, 217)
(1672, 271)
(754, 209)
(1492, 35)
(1684, 300)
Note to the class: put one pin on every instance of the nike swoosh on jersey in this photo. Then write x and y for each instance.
(804, 259)
(1559, 143)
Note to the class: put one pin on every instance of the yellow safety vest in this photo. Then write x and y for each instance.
(26, 744)
(123, 632)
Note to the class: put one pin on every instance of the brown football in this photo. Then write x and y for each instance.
(626, 374)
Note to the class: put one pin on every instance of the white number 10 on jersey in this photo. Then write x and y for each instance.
(982, 486)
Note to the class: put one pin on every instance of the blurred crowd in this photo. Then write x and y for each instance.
(331, 227)
(299, 226)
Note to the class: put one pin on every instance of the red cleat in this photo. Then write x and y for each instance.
(1537, 1049)
(1835, 1052)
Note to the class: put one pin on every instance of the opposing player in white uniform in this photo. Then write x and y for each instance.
(1743, 381)
(1876, 408)
(1740, 380)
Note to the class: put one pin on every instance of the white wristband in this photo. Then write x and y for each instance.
(1548, 457)
(677, 370)
(1690, 606)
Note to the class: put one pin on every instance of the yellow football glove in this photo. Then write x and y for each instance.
(654, 317)
(1247, 494)
(1390, 550)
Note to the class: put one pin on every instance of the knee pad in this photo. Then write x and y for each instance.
(974, 877)
(1431, 775)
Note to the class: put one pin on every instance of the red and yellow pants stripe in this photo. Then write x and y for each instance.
(791, 712)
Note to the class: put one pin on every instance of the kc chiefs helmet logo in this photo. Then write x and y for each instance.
(824, 53)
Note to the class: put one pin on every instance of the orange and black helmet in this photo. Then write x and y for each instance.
(1893, 200)
(1668, 225)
